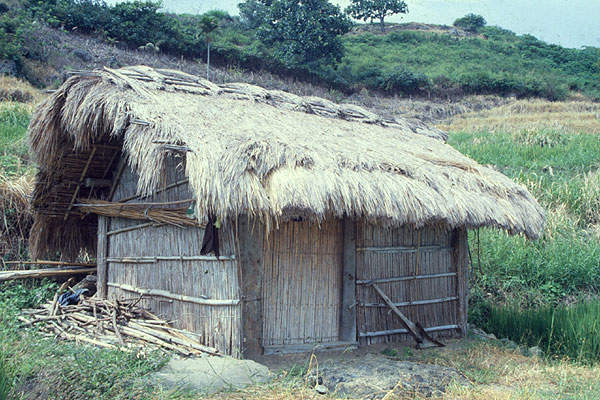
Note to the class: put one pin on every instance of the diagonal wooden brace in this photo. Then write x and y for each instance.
(423, 339)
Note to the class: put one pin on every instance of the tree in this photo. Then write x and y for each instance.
(208, 24)
(304, 32)
(253, 13)
(376, 9)
(471, 22)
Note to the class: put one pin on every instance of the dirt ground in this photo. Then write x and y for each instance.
(371, 371)
(367, 373)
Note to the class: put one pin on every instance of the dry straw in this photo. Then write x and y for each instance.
(273, 155)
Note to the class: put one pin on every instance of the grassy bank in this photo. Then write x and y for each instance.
(517, 281)
(562, 331)
(14, 119)
(36, 366)
(404, 61)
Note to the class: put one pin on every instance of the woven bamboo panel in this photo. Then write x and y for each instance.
(434, 256)
(218, 326)
(302, 283)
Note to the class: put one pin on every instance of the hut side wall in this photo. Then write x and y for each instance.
(217, 325)
(301, 288)
(400, 258)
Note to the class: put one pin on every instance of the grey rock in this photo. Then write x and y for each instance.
(481, 333)
(114, 62)
(321, 389)
(83, 55)
(509, 343)
(524, 351)
(374, 376)
(207, 375)
(536, 351)
(8, 67)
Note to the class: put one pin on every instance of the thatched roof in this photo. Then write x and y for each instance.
(262, 153)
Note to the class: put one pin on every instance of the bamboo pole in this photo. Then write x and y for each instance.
(173, 296)
(81, 179)
(404, 278)
(43, 273)
(400, 331)
(149, 260)
(44, 262)
(412, 303)
(133, 228)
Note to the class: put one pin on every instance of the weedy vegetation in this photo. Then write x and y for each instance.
(572, 331)
(14, 119)
(518, 283)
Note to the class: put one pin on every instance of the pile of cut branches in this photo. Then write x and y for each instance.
(113, 324)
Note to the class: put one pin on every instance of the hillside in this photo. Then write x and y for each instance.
(410, 60)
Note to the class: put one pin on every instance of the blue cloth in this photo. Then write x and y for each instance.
(68, 298)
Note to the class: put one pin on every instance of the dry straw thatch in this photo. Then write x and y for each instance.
(15, 215)
(267, 154)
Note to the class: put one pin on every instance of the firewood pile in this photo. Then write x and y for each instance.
(113, 324)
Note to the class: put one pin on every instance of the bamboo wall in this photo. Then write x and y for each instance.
(217, 325)
(402, 259)
(302, 283)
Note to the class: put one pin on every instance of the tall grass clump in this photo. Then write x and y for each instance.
(564, 331)
(14, 119)
(6, 378)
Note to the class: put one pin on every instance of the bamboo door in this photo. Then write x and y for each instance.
(302, 283)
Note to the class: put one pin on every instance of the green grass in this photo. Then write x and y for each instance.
(502, 63)
(63, 370)
(14, 120)
(564, 331)
(6, 378)
(512, 273)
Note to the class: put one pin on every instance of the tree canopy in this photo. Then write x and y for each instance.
(376, 9)
(471, 22)
(301, 32)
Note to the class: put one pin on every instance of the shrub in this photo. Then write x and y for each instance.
(402, 80)
(470, 22)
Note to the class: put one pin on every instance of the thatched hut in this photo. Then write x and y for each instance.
(257, 218)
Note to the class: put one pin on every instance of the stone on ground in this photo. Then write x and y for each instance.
(372, 377)
(207, 375)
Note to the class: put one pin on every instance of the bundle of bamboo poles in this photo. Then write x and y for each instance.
(113, 324)
(157, 212)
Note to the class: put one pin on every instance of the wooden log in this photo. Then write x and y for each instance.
(43, 318)
(348, 325)
(423, 340)
(173, 296)
(249, 243)
(412, 329)
(43, 273)
(177, 340)
(139, 335)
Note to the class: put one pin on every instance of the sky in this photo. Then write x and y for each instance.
(570, 23)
